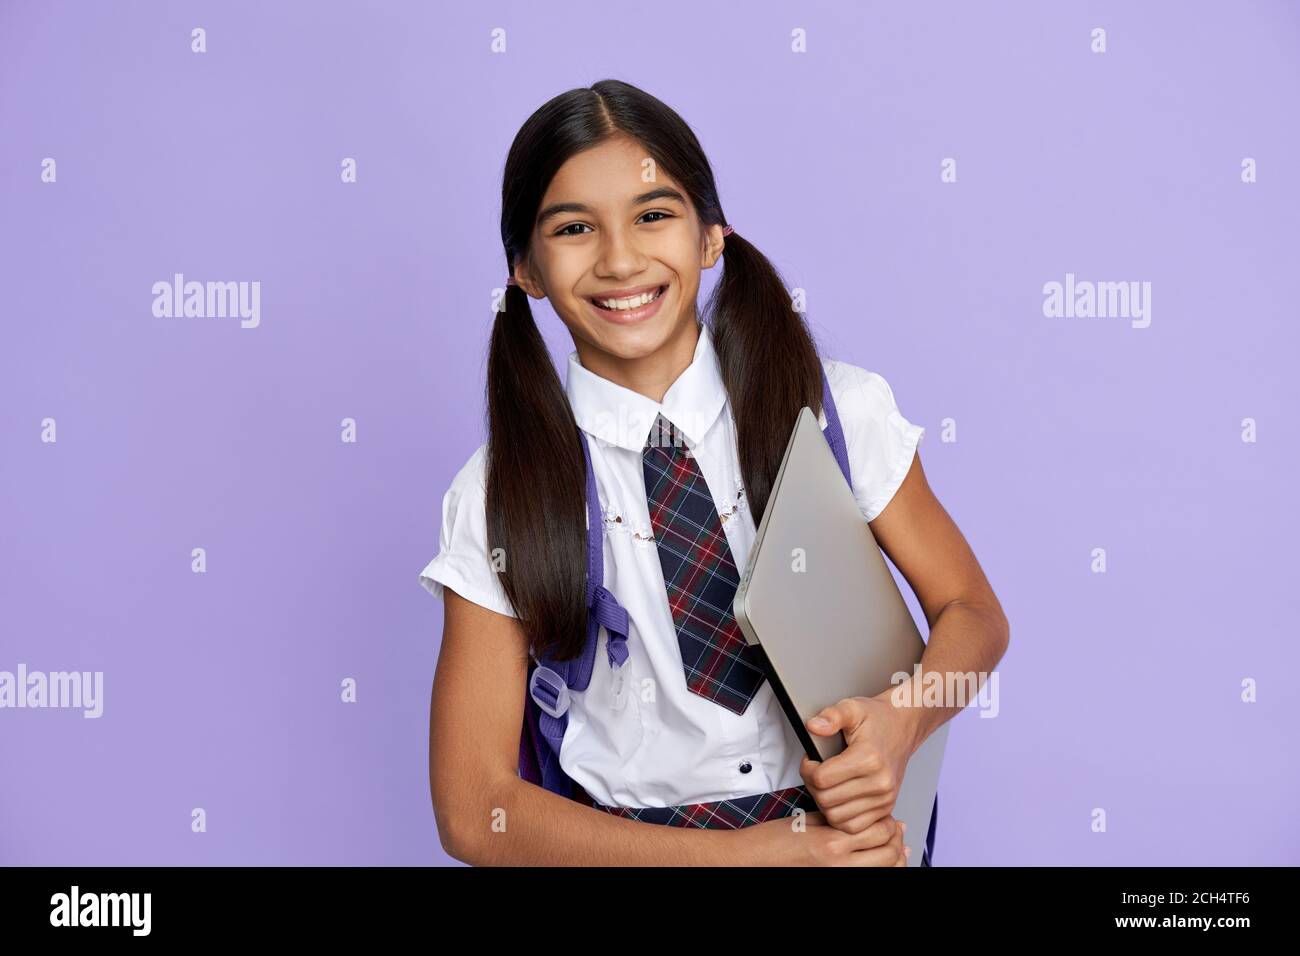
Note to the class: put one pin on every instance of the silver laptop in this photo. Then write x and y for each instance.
(819, 601)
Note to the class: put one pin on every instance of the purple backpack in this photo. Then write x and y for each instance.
(546, 703)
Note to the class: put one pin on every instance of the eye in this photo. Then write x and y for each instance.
(567, 230)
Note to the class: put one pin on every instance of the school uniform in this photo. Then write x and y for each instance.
(640, 741)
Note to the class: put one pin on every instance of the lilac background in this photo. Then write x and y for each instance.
(1120, 691)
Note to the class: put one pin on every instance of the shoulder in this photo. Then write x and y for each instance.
(464, 519)
(470, 480)
(463, 562)
(857, 390)
(464, 500)
(881, 441)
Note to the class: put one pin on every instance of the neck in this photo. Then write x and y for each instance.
(650, 375)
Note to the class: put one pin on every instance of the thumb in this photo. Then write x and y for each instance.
(827, 721)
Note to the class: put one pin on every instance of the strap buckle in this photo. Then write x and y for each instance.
(548, 689)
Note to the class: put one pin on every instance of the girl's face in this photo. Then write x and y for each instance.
(603, 233)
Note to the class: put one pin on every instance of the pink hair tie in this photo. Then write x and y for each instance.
(727, 230)
(511, 281)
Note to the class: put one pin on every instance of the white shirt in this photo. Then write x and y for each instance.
(675, 747)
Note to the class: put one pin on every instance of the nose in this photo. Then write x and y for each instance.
(619, 254)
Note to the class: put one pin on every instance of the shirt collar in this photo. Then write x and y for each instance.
(619, 416)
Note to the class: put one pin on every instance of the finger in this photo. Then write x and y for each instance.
(847, 803)
(806, 767)
(906, 851)
(850, 791)
(897, 846)
(877, 834)
(840, 782)
(864, 810)
(890, 844)
(886, 855)
(827, 721)
(849, 766)
(852, 822)
(839, 716)
(842, 768)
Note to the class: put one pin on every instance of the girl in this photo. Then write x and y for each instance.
(610, 211)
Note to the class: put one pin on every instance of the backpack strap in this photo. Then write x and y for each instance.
(603, 608)
(546, 708)
(927, 855)
(834, 432)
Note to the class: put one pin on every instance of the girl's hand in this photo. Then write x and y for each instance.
(859, 785)
(817, 843)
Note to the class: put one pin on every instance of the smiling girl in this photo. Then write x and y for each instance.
(676, 750)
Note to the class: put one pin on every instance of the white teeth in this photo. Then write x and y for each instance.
(622, 305)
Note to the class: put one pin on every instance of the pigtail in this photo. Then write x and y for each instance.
(535, 484)
(768, 361)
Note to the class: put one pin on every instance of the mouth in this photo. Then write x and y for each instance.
(631, 308)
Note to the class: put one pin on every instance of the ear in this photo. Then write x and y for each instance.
(714, 245)
(527, 279)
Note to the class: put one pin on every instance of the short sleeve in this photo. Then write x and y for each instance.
(463, 563)
(881, 442)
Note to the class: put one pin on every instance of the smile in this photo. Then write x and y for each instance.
(629, 303)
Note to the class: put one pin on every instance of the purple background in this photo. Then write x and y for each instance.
(1120, 691)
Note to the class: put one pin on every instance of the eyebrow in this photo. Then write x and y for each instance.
(560, 208)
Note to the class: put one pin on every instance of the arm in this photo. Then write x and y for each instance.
(968, 630)
(486, 815)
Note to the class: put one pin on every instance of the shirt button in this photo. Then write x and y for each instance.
(745, 767)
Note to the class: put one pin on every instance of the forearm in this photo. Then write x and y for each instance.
(966, 642)
(516, 823)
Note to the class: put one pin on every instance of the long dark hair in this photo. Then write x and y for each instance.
(535, 482)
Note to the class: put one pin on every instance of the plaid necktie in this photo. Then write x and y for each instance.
(699, 573)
